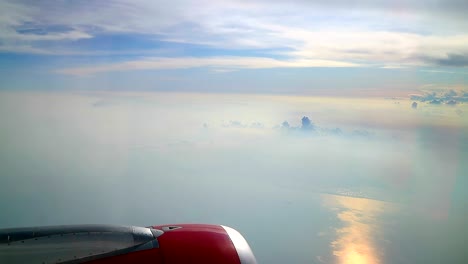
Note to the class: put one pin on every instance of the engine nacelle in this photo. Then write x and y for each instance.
(203, 244)
(102, 244)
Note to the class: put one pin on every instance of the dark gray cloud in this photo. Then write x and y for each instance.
(449, 60)
(452, 60)
(456, 59)
(306, 123)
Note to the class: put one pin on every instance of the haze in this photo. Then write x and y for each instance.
(329, 132)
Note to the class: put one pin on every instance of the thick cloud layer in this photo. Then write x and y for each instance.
(145, 159)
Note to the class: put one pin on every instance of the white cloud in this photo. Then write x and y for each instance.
(14, 16)
(232, 63)
(309, 33)
(69, 35)
(446, 72)
(318, 49)
(379, 47)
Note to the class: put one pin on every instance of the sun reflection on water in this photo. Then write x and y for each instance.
(355, 241)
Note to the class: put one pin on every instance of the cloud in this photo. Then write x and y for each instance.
(24, 25)
(234, 124)
(239, 124)
(361, 133)
(309, 128)
(72, 34)
(160, 63)
(306, 127)
(321, 48)
(332, 131)
(383, 47)
(453, 60)
(303, 33)
(450, 97)
(256, 125)
(441, 71)
(306, 124)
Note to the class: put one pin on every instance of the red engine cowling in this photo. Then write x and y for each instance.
(105, 244)
(192, 243)
(203, 244)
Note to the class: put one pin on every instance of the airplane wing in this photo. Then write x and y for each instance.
(101, 244)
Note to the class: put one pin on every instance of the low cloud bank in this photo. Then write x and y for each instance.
(306, 128)
(450, 97)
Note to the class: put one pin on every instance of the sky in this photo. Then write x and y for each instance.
(324, 131)
(286, 47)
